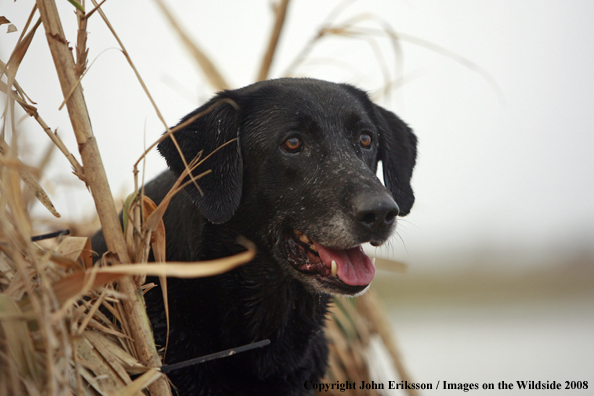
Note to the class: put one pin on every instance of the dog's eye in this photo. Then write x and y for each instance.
(365, 140)
(292, 145)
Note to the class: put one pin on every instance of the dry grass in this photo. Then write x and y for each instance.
(54, 339)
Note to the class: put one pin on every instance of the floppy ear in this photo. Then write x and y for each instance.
(398, 153)
(222, 187)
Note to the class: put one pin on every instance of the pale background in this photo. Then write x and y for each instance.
(500, 243)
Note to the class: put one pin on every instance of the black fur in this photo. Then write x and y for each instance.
(328, 191)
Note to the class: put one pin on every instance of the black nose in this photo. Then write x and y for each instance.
(377, 212)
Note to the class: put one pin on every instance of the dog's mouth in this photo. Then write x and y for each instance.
(343, 271)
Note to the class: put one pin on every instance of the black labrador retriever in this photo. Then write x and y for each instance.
(300, 182)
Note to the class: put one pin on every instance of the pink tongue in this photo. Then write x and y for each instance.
(354, 266)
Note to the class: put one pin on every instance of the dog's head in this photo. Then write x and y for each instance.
(300, 178)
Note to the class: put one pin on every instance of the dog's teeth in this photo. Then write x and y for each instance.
(298, 233)
(334, 268)
(303, 238)
(313, 247)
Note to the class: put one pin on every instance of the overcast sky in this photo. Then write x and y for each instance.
(500, 94)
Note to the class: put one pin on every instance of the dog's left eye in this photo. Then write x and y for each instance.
(292, 145)
(365, 140)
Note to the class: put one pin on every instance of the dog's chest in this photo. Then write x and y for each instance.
(234, 309)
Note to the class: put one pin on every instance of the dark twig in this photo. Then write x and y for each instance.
(50, 235)
(218, 355)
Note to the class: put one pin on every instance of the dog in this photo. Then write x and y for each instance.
(298, 179)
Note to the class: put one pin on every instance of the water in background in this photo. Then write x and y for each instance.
(531, 323)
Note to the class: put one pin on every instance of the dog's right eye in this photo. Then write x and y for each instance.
(292, 145)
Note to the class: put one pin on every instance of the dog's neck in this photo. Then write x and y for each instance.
(266, 299)
(256, 301)
(276, 306)
(282, 310)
